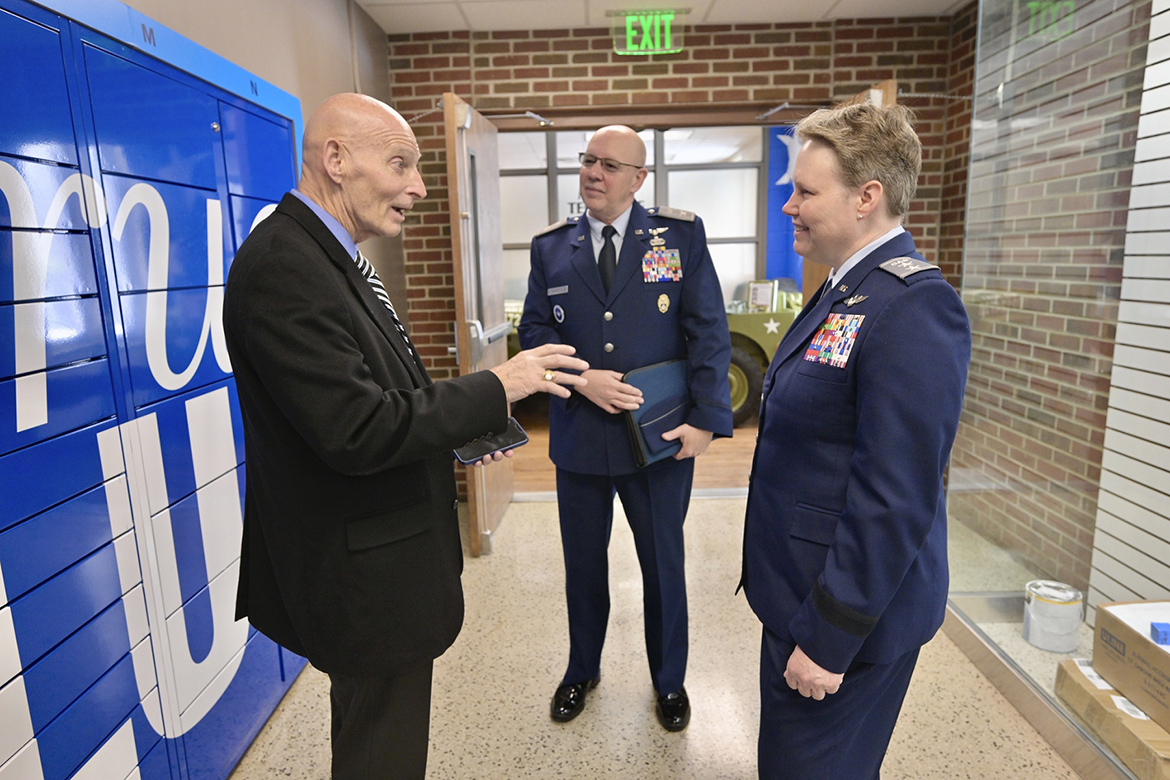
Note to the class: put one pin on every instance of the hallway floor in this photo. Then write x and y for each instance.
(490, 710)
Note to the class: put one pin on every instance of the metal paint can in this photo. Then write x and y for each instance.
(1053, 613)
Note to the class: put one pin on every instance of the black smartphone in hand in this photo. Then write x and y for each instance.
(477, 449)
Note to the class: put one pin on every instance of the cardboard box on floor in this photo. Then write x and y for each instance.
(1142, 745)
(1124, 654)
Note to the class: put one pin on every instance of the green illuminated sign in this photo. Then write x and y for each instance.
(1051, 19)
(647, 32)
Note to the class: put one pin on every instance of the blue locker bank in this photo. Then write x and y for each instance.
(130, 170)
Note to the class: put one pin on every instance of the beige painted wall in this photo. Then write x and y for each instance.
(302, 46)
(309, 48)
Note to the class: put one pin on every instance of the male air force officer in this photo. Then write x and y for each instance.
(627, 287)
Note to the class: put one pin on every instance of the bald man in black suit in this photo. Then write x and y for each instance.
(351, 554)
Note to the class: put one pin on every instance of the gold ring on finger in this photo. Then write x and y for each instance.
(549, 375)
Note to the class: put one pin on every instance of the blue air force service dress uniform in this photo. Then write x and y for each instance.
(664, 303)
(845, 550)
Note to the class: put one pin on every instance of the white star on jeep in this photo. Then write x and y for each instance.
(772, 325)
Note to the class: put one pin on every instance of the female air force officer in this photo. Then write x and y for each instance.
(845, 555)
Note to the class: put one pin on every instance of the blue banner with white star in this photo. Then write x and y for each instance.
(782, 261)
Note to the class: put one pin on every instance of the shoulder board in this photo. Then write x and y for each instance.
(902, 267)
(669, 213)
(559, 225)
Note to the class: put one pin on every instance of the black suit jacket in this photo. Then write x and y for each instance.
(351, 554)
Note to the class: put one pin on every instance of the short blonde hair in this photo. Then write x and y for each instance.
(872, 144)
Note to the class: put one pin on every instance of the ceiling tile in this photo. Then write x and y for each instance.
(368, 4)
(867, 9)
(524, 14)
(399, 18)
(785, 12)
(599, 16)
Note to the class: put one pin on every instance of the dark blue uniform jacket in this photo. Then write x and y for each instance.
(845, 543)
(662, 305)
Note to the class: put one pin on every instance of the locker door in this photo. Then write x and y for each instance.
(71, 610)
(37, 119)
(258, 156)
(158, 143)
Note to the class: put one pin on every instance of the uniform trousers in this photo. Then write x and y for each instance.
(381, 725)
(842, 737)
(655, 501)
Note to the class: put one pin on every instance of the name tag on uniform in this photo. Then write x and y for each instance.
(834, 340)
(564, 288)
(661, 265)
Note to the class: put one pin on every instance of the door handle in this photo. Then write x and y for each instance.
(496, 333)
(480, 338)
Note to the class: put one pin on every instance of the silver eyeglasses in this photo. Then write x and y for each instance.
(607, 165)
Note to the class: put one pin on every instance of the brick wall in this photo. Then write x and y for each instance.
(1050, 167)
(748, 68)
(957, 142)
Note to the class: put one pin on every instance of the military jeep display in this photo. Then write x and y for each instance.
(757, 325)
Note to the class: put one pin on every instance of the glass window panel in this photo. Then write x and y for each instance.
(697, 145)
(524, 207)
(516, 265)
(724, 198)
(736, 266)
(569, 201)
(569, 196)
(522, 151)
(571, 143)
(645, 196)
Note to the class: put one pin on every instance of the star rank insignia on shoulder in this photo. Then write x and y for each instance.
(559, 225)
(669, 213)
(902, 267)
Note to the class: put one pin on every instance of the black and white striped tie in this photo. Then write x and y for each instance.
(371, 275)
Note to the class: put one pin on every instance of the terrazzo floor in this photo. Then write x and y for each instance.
(490, 709)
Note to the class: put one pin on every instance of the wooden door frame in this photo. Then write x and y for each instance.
(489, 489)
(813, 274)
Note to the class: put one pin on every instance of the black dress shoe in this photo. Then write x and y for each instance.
(569, 699)
(674, 710)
